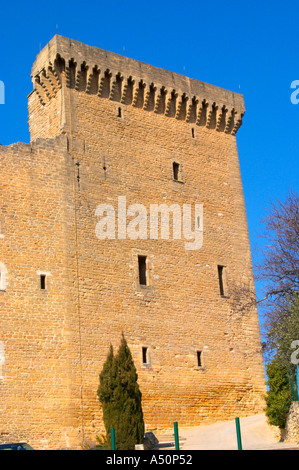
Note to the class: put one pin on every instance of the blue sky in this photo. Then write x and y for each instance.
(245, 46)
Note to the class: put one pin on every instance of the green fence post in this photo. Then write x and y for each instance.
(112, 439)
(176, 436)
(238, 434)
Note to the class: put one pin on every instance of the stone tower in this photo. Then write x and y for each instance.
(109, 131)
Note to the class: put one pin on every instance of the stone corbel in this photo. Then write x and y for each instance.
(49, 77)
(102, 77)
(39, 90)
(43, 81)
(192, 103)
(170, 96)
(147, 94)
(80, 70)
(184, 99)
(211, 111)
(229, 121)
(53, 77)
(135, 92)
(91, 72)
(202, 105)
(220, 113)
(237, 123)
(56, 75)
(124, 89)
(113, 85)
(101, 82)
(158, 96)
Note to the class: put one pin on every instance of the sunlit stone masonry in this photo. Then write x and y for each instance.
(105, 128)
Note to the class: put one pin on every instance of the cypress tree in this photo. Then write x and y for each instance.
(279, 396)
(106, 392)
(120, 396)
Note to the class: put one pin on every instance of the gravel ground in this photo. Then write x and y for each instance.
(255, 435)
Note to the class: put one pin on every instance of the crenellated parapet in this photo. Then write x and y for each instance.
(90, 70)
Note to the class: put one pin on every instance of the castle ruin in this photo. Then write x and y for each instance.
(106, 129)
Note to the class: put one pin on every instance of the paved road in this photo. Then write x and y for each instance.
(255, 434)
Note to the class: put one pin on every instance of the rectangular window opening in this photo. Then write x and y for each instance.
(43, 281)
(144, 355)
(142, 270)
(176, 169)
(199, 362)
(220, 276)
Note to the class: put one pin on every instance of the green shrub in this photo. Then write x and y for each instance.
(120, 397)
(279, 395)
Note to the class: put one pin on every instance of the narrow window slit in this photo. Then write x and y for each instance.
(199, 362)
(144, 355)
(176, 168)
(43, 281)
(220, 276)
(142, 270)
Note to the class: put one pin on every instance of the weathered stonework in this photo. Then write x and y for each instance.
(291, 432)
(104, 126)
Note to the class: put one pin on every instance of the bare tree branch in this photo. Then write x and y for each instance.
(279, 273)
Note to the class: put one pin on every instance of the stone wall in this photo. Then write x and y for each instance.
(291, 432)
(39, 386)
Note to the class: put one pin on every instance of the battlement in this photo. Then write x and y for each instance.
(72, 64)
